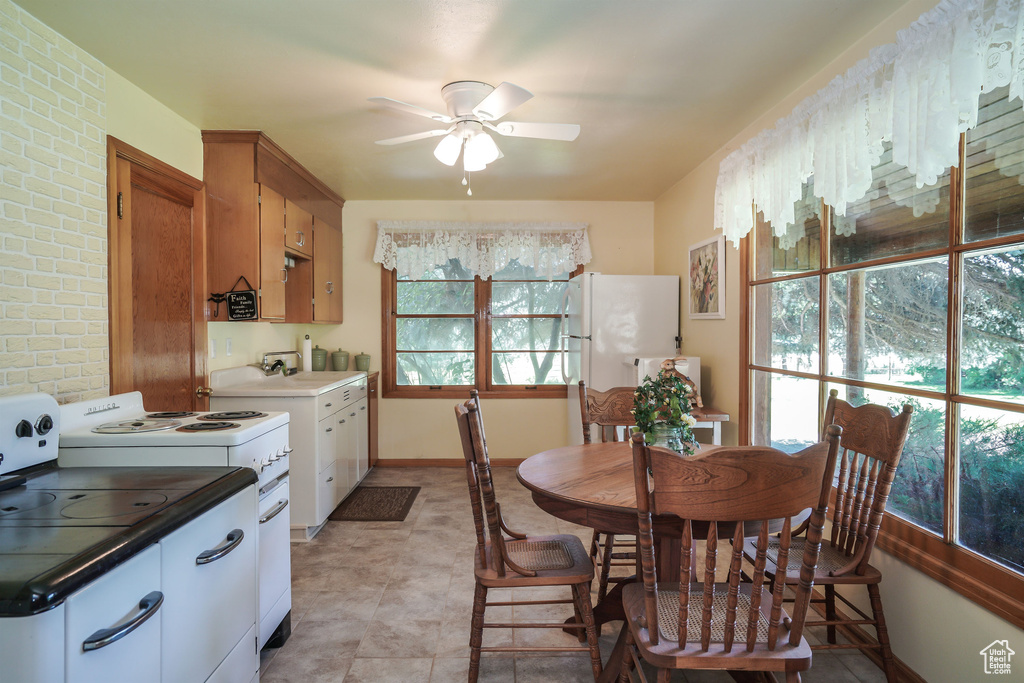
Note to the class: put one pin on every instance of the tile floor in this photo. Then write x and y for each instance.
(391, 601)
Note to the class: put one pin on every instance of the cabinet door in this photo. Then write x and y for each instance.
(126, 600)
(298, 227)
(346, 444)
(371, 408)
(362, 442)
(327, 274)
(273, 274)
(208, 572)
(326, 498)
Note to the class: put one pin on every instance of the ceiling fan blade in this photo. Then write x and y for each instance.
(410, 109)
(501, 101)
(545, 131)
(415, 136)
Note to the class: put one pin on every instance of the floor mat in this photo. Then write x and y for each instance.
(376, 504)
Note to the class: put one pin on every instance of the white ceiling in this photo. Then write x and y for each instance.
(656, 85)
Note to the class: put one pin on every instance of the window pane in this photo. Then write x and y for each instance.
(916, 493)
(995, 169)
(434, 334)
(416, 297)
(525, 334)
(525, 368)
(800, 248)
(895, 217)
(784, 411)
(515, 271)
(527, 298)
(992, 352)
(452, 270)
(792, 306)
(434, 369)
(992, 484)
(888, 325)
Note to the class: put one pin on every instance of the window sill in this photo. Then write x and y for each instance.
(991, 586)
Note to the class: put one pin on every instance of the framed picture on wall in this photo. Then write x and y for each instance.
(707, 278)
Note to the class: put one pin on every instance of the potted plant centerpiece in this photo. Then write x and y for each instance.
(661, 407)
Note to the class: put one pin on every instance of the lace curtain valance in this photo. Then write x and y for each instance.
(918, 94)
(417, 247)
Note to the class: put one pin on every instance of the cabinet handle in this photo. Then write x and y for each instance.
(330, 287)
(330, 429)
(300, 238)
(285, 278)
(274, 511)
(330, 479)
(105, 636)
(341, 422)
(214, 554)
(328, 405)
(362, 408)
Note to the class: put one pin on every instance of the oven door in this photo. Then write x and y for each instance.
(275, 557)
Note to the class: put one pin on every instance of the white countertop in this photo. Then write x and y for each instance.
(250, 381)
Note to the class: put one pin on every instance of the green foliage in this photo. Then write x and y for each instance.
(664, 399)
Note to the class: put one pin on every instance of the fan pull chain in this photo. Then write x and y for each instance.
(468, 182)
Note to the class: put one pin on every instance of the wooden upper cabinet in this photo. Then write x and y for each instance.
(273, 275)
(327, 272)
(298, 225)
(261, 205)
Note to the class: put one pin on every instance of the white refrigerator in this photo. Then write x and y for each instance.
(609, 321)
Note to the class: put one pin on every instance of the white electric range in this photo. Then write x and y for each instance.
(117, 431)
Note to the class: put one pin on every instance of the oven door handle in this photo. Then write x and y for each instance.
(274, 511)
(105, 636)
(214, 554)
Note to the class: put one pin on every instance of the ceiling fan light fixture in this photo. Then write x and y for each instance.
(481, 150)
(447, 151)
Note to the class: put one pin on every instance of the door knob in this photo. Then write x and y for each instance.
(203, 391)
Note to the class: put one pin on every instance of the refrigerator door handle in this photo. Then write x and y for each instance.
(563, 326)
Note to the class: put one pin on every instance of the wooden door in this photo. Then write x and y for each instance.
(326, 280)
(273, 274)
(298, 224)
(157, 280)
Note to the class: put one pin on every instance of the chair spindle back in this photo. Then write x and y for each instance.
(486, 513)
(608, 410)
(725, 488)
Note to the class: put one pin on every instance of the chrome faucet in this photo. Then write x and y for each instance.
(268, 367)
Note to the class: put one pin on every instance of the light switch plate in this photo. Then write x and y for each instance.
(227, 346)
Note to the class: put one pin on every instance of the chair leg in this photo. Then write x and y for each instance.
(792, 677)
(595, 544)
(888, 663)
(606, 566)
(830, 612)
(476, 634)
(581, 591)
(664, 675)
(627, 657)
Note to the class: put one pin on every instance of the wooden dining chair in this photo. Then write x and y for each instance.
(871, 446)
(698, 622)
(507, 559)
(610, 412)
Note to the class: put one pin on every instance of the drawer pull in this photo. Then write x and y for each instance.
(274, 511)
(330, 479)
(341, 422)
(351, 414)
(330, 429)
(214, 554)
(328, 405)
(105, 636)
(362, 407)
(300, 238)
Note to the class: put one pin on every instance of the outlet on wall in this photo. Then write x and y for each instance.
(213, 348)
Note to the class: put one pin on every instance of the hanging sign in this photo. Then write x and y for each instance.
(241, 303)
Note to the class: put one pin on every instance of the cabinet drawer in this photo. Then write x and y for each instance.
(123, 630)
(209, 597)
(330, 402)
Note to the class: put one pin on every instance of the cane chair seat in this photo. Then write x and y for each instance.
(830, 562)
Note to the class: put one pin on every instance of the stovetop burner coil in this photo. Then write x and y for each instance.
(232, 415)
(136, 426)
(170, 415)
(208, 426)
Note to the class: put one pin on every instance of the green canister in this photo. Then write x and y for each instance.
(363, 361)
(319, 359)
(339, 360)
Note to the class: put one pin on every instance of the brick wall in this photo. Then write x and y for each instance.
(53, 222)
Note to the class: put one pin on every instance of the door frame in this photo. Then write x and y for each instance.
(125, 165)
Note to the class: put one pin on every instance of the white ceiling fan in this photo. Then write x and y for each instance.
(473, 109)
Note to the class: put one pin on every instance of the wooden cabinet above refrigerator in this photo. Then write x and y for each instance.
(263, 208)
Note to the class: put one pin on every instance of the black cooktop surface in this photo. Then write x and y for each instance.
(67, 526)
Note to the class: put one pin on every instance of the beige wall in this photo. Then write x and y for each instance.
(622, 241)
(919, 611)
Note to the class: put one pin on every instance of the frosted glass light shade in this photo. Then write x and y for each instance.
(480, 151)
(447, 151)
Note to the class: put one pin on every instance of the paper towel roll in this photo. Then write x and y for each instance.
(307, 355)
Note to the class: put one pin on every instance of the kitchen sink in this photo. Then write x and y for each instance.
(250, 381)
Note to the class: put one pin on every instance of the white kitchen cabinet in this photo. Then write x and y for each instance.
(324, 465)
(112, 625)
(209, 582)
